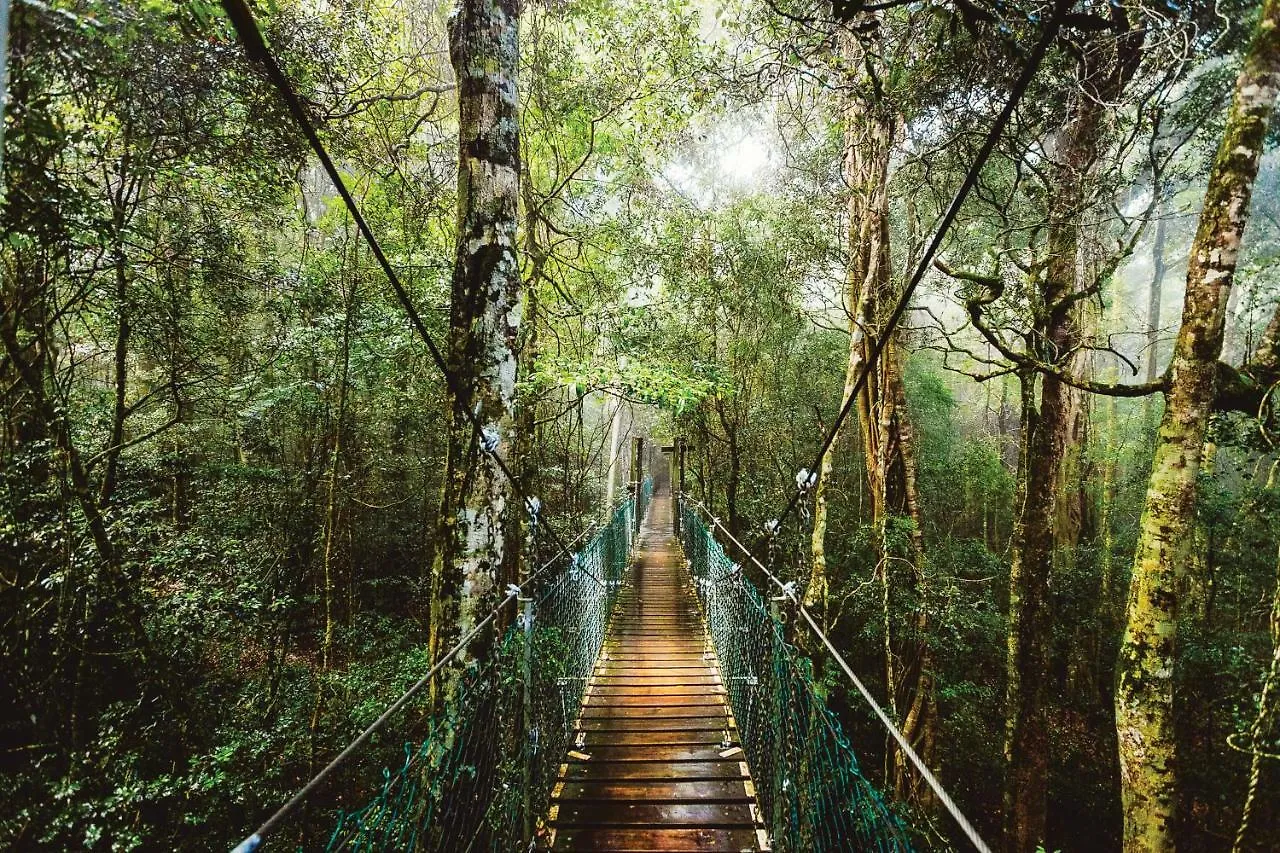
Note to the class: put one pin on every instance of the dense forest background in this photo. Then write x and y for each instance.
(223, 444)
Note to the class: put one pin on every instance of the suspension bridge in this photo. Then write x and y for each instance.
(644, 697)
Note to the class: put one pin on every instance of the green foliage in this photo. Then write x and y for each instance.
(265, 456)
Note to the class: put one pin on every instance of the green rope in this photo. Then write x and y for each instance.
(812, 793)
(462, 787)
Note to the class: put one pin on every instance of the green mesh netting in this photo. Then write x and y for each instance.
(811, 791)
(482, 775)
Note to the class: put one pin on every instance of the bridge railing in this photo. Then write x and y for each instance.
(812, 793)
(481, 776)
(644, 495)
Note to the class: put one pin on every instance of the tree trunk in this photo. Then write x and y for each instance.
(472, 565)
(615, 454)
(120, 410)
(1051, 511)
(523, 451)
(734, 480)
(887, 446)
(920, 725)
(1148, 655)
(1026, 738)
(818, 588)
(1049, 438)
(332, 517)
(865, 169)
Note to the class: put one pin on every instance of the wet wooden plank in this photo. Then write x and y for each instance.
(654, 724)
(657, 679)
(660, 712)
(653, 736)
(624, 667)
(637, 840)
(664, 691)
(654, 771)
(664, 791)
(659, 752)
(630, 813)
(699, 700)
(650, 769)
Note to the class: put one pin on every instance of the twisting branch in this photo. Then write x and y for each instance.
(992, 288)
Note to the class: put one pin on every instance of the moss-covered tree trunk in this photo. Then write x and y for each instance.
(472, 563)
(1145, 670)
(866, 163)
(887, 440)
(1261, 807)
(524, 446)
(1050, 506)
(1049, 437)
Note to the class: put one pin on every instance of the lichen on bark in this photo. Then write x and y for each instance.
(1148, 654)
(473, 561)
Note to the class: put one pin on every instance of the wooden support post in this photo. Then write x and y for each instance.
(637, 477)
(680, 450)
(781, 760)
(673, 480)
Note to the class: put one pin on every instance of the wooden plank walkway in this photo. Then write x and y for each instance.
(656, 763)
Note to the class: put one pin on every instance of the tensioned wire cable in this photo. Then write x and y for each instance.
(255, 46)
(804, 481)
(514, 592)
(807, 477)
(788, 590)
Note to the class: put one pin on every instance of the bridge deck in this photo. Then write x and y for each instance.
(656, 764)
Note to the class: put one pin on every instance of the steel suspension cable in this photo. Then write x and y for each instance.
(255, 46)
(879, 342)
(513, 593)
(805, 480)
(788, 590)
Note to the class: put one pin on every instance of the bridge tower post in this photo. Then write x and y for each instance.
(681, 446)
(780, 757)
(637, 478)
(673, 464)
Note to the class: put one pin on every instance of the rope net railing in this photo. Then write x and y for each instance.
(644, 494)
(812, 793)
(481, 776)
